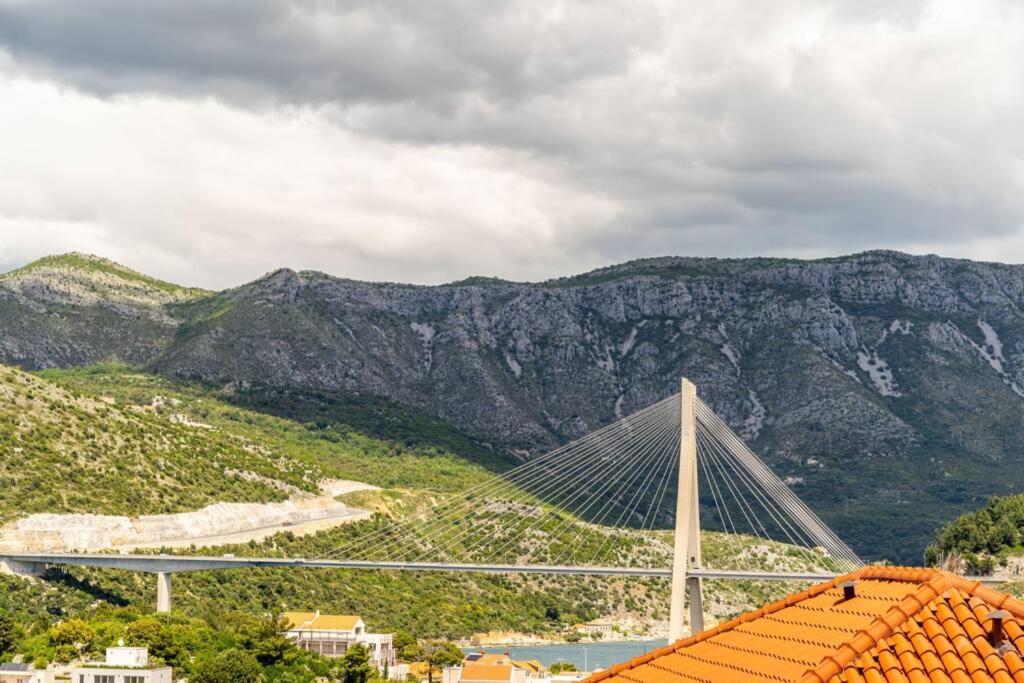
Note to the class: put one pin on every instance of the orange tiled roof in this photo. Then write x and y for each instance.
(487, 658)
(314, 621)
(486, 672)
(491, 659)
(530, 665)
(903, 625)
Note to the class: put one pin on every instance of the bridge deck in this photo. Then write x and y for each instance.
(185, 563)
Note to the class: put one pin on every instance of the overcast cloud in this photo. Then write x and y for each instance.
(209, 142)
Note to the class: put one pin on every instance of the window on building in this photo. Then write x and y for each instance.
(102, 678)
(134, 679)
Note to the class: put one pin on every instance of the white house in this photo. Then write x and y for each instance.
(17, 672)
(122, 665)
(332, 634)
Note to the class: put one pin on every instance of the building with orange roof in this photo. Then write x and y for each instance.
(332, 634)
(484, 667)
(875, 625)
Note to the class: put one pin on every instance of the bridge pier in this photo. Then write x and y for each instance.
(693, 588)
(163, 592)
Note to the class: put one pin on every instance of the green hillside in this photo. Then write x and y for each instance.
(152, 444)
(65, 451)
(115, 277)
(344, 436)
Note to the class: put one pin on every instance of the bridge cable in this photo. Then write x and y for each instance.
(597, 440)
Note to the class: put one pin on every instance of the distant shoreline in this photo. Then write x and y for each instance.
(469, 645)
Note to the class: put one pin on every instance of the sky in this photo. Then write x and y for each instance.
(210, 142)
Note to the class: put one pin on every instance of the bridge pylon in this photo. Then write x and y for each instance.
(686, 547)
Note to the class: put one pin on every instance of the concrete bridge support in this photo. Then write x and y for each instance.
(686, 550)
(163, 592)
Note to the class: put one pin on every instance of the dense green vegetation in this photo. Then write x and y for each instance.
(228, 647)
(345, 436)
(429, 605)
(984, 537)
(58, 448)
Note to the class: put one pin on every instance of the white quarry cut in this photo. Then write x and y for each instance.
(879, 372)
(213, 525)
(897, 326)
(426, 333)
(901, 326)
(992, 350)
(513, 365)
(618, 407)
(752, 425)
(630, 341)
(732, 354)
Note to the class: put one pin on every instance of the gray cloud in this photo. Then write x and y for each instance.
(383, 138)
(303, 52)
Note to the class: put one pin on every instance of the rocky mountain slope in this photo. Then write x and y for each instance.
(76, 309)
(885, 387)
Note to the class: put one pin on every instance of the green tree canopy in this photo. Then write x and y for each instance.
(355, 664)
(229, 666)
(440, 654)
(74, 632)
(8, 633)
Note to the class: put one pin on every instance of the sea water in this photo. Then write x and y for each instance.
(586, 656)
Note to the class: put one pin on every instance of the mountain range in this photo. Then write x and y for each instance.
(885, 388)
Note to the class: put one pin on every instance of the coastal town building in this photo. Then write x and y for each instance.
(332, 634)
(483, 667)
(597, 627)
(419, 671)
(122, 665)
(17, 672)
(875, 625)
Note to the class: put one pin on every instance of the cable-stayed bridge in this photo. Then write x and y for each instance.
(627, 499)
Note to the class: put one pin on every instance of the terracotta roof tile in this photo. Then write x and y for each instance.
(903, 625)
(314, 621)
(486, 672)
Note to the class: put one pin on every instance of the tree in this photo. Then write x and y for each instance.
(355, 664)
(143, 631)
(266, 639)
(559, 667)
(229, 666)
(159, 638)
(406, 646)
(8, 633)
(440, 654)
(71, 637)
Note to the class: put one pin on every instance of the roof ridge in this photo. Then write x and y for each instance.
(933, 583)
